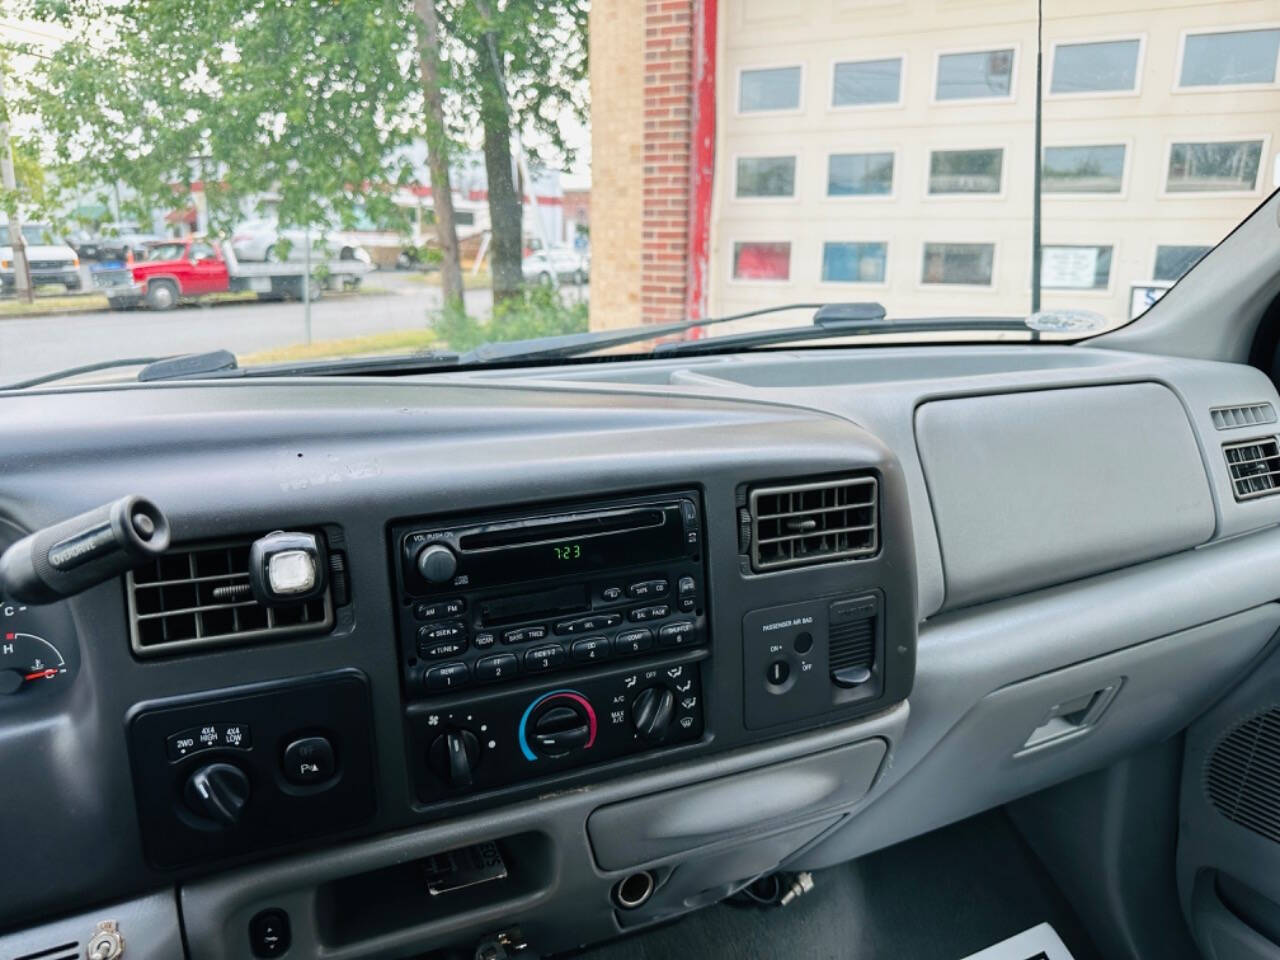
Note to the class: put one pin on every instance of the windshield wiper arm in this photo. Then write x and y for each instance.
(70, 372)
(573, 344)
(826, 328)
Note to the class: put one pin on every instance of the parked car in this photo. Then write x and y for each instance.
(264, 241)
(86, 244)
(120, 246)
(562, 263)
(49, 259)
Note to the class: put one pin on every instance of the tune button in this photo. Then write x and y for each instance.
(500, 666)
(447, 676)
(442, 650)
(633, 641)
(544, 658)
(590, 648)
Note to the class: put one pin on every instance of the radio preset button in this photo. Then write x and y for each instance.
(677, 634)
(498, 667)
(544, 658)
(633, 641)
(442, 649)
(525, 634)
(590, 648)
(641, 614)
(447, 676)
(647, 588)
(483, 640)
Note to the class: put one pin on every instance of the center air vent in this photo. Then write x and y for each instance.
(806, 523)
(200, 596)
(1254, 467)
(1245, 415)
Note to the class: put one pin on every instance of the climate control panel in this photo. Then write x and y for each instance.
(482, 743)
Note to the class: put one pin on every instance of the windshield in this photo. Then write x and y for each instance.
(455, 173)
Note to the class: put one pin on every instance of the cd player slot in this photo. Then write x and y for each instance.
(532, 532)
(534, 606)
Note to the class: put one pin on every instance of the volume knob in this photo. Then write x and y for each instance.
(437, 563)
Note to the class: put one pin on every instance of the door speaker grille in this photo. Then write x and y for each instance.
(1242, 777)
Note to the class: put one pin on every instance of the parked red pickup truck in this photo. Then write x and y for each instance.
(194, 267)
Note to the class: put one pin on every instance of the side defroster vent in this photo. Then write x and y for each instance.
(200, 596)
(1242, 777)
(63, 951)
(1254, 466)
(1246, 415)
(817, 522)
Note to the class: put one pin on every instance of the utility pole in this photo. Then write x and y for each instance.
(1036, 253)
(21, 273)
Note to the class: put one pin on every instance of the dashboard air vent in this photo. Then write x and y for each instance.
(818, 522)
(1248, 415)
(1254, 467)
(200, 596)
(1242, 777)
(64, 951)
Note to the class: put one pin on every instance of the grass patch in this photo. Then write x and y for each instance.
(65, 303)
(395, 341)
(470, 281)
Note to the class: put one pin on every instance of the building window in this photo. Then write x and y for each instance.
(972, 76)
(1075, 268)
(860, 175)
(1097, 169)
(1173, 261)
(965, 171)
(1214, 167)
(762, 261)
(766, 177)
(959, 263)
(1227, 59)
(775, 88)
(854, 262)
(1103, 67)
(867, 82)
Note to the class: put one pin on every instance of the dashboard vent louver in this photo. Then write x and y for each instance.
(200, 596)
(1242, 777)
(805, 523)
(1254, 466)
(1246, 415)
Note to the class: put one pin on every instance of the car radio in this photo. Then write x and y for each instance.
(610, 596)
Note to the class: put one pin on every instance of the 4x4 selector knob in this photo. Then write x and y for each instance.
(217, 792)
(651, 712)
(437, 563)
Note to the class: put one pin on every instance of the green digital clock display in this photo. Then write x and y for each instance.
(567, 551)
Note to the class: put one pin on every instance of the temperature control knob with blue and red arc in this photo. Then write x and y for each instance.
(557, 724)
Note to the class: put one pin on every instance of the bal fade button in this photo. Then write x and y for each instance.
(308, 761)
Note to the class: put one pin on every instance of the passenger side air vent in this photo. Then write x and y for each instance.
(64, 951)
(1254, 467)
(1242, 777)
(1248, 415)
(806, 523)
(200, 597)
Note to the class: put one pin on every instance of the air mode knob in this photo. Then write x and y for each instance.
(437, 563)
(218, 792)
(651, 712)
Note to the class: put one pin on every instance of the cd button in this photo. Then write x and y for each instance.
(647, 588)
(633, 641)
(498, 667)
(590, 648)
(544, 658)
(447, 676)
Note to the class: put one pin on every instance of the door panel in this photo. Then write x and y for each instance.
(1229, 840)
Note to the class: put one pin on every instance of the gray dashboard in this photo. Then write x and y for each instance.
(1053, 612)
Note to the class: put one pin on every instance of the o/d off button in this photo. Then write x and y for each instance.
(777, 673)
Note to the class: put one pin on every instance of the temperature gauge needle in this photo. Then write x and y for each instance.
(41, 674)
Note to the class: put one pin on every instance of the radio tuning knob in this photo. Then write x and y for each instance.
(437, 563)
(651, 712)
